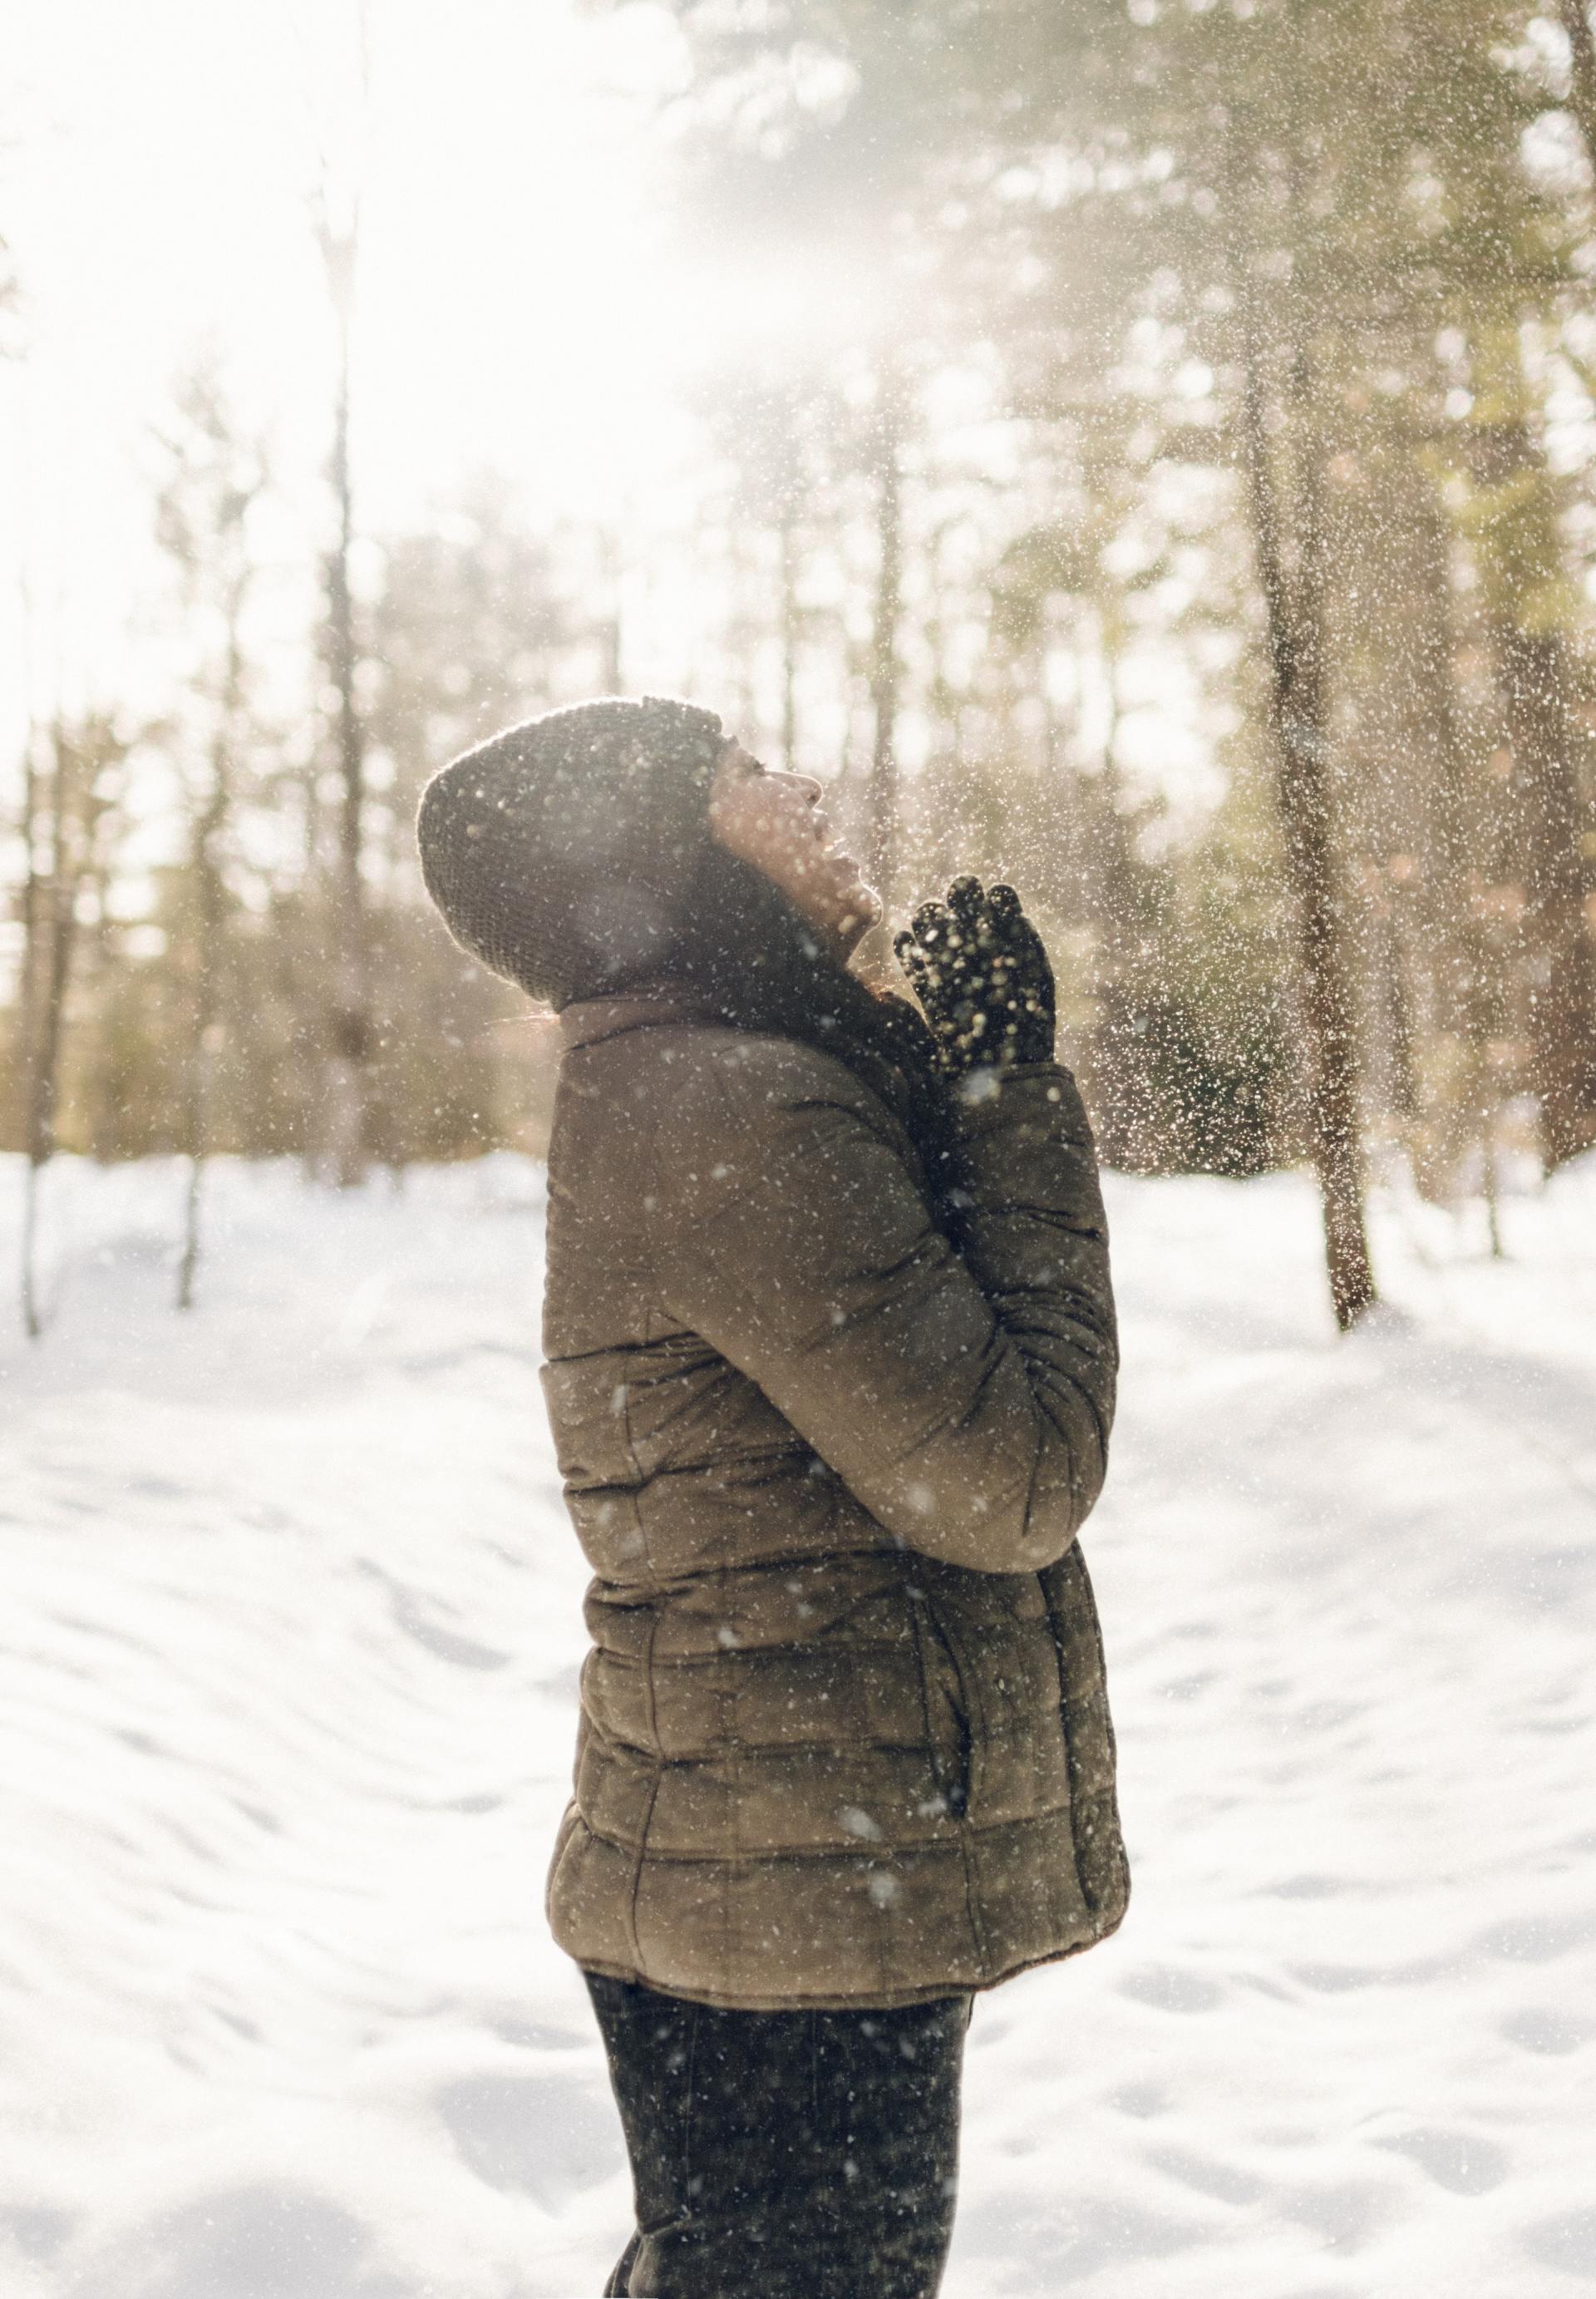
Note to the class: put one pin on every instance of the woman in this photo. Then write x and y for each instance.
(830, 1364)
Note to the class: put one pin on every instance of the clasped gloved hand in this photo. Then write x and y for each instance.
(978, 969)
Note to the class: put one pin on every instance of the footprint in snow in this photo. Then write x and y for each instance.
(534, 2135)
(1454, 2160)
(1537, 1939)
(275, 2240)
(1169, 1989)
(1539, 2029)
(1568, 2242)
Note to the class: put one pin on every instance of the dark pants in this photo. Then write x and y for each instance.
(785, 2154)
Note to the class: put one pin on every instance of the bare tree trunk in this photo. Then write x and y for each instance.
(1294, 610)
(1396, 1003)
(30, 907)
(1104, 841)
(1582, 71)
(886, 668)
(789, 637)
(223, 538)
(1536, 677)
(745, 630)
(349, 1022)
(201, 1049)
(1535, 681)
(52, 926)
(60, 928)
(1490, 1189)
(1466, 969)
(1449, 822)
(611, 630)
(34, 886)
(1058, 825)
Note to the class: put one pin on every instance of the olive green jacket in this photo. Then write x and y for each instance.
(844, 1737)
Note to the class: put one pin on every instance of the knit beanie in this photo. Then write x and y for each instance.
(560, 851)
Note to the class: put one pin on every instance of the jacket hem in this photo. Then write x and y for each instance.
(867, 2000)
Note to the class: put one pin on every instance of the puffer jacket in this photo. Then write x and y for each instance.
(844, 1738)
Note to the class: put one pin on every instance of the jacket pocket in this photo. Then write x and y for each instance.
(947, 1709)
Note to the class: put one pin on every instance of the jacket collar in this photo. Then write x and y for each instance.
(645, 1005)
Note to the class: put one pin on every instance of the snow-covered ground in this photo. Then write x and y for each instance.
(290, 1631)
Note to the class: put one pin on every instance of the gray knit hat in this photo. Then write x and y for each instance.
(558, 852)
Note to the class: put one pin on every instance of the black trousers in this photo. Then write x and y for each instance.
(784, 2154)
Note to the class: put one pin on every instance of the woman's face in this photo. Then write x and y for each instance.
(776, 822)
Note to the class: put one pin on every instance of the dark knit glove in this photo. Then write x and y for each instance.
(977, 967)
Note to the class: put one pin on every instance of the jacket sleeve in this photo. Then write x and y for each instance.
(964, 1396)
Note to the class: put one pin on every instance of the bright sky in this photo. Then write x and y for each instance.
(522, 294)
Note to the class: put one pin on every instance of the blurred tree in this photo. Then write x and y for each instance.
(472, 627)
(1283, 448)
(215, 473)
(1531, 606)
(1413, 741)
(1178, 1027)
(886, 655)
(1575, 18)
(67, 802)
(197, 962)
(341, 1145)
(779, 424)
